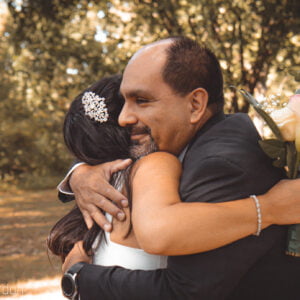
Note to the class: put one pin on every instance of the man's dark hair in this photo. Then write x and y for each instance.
(190, 66)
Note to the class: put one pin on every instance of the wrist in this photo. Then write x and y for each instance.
(77, 173)
(266, 211)
(69, 281)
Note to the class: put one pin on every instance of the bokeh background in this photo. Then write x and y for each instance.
(52, 49)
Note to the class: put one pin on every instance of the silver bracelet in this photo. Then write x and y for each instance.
(258, 211)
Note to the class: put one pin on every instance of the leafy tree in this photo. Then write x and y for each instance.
(53, 49)
(251, 38)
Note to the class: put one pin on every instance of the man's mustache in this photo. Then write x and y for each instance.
(139, 130)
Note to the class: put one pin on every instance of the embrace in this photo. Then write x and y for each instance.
(197, 212)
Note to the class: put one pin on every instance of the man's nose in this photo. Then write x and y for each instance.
(127, 116)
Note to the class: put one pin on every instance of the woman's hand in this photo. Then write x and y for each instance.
(92, 190)
(77, 254)
(281, 204)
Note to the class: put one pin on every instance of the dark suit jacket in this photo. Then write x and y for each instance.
(224, 162)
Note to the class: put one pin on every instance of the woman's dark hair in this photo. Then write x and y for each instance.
(94, 143)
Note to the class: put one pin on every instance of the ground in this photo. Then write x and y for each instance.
(27, 270)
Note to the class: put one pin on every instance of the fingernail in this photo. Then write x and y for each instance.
(124, 203)
(120, 216)
(107, 227)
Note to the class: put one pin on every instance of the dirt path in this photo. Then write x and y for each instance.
(25, 268)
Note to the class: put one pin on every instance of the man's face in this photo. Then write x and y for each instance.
(157, 116)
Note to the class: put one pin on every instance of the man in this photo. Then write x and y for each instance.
(173, 93)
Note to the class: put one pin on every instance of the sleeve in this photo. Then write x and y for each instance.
(217, 179)
(65, 193)
(98, 282)
(210, 275)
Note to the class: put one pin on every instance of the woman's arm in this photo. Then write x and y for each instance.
(165, 225)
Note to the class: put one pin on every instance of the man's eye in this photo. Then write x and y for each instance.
(141, 101)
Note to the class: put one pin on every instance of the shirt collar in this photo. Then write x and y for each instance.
(182, 154)
(210, 123)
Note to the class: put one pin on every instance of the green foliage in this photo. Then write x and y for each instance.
(275, 149)
(257, 107)
(49, 53)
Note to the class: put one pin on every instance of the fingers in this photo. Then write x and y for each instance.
(93, 191)
(119, 164)
(91, 213)
(101, 220)
(106, 197)
(95, 180)
(87, 219)
(109, 192)
(111, 208)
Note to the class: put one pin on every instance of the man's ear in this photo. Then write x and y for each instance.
(198, 102)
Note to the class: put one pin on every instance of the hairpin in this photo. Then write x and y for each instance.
(95, 107)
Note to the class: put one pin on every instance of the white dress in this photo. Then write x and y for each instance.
(109, 253)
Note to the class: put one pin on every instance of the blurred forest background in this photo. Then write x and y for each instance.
(52, 49)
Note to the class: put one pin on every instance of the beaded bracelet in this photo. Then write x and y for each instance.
(259, 217)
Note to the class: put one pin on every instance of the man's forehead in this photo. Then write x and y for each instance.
(147, 61)
(155, 48)
(138, 81)
(143, 71)
(139, 78)
(144, 68)
(132, 92)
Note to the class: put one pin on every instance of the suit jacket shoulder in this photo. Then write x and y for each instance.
(225, 162)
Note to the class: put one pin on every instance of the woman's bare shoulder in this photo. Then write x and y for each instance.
(157, 160)
(158, 157)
